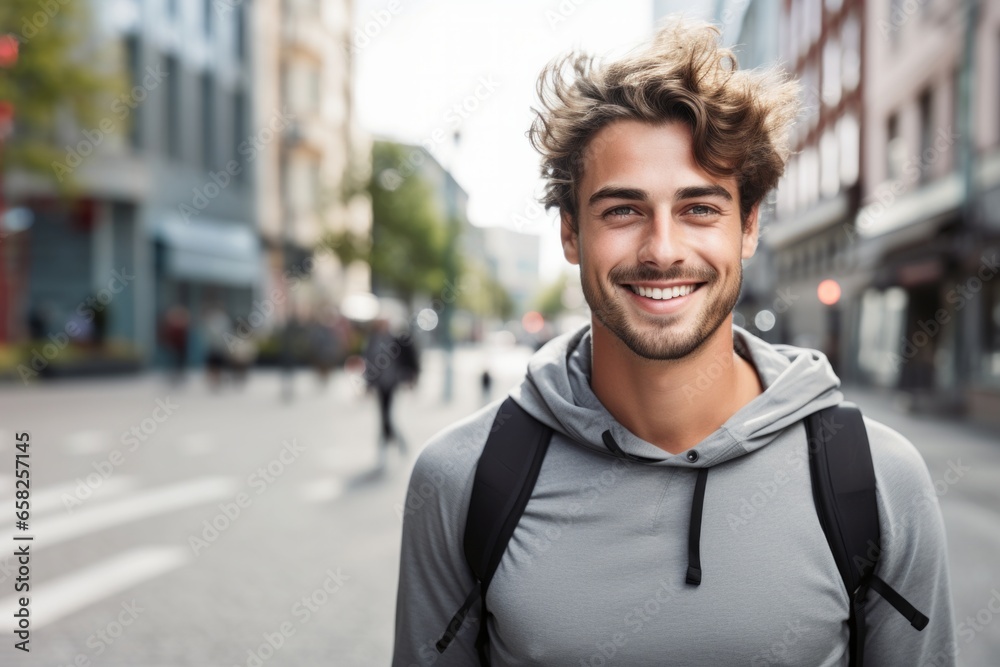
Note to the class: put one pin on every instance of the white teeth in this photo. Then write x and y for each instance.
(662, 294)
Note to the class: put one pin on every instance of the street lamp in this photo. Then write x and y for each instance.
(450, 272)
(291, 138)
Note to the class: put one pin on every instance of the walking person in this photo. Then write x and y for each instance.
(664, 487)
(174, 334)
(218, 332)
(485, 386)
(389, 361)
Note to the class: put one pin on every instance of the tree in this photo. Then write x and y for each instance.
(549, 301)
(485, 295)
(51, 77)
(408, 250)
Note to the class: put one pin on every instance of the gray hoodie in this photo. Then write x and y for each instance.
(595, 571)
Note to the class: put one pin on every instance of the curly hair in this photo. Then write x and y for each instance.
(739, 119)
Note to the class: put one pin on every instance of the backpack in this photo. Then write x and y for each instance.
(843, 482)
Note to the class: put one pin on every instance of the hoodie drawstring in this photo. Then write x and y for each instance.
(694, 530)
(697, 506)
(610, 443)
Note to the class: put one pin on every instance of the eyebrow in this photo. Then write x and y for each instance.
(697, 191)
(690, 192)
(614, 192)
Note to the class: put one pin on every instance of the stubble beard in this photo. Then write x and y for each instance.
(660, 337)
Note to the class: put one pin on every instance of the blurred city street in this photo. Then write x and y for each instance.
(321, 525)
(158, 564)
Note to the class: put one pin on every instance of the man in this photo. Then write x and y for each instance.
(658, 164)
(389, 361)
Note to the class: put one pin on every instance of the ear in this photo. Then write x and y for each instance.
(751, 235)
(570, 238)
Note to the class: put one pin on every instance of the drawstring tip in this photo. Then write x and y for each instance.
(694, 576)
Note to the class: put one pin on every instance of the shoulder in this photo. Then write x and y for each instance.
(898, 464)
(909, 511)
(446, 466)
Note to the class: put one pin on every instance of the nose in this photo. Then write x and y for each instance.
(663, 241)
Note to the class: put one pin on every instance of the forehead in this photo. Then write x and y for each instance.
(658, 158)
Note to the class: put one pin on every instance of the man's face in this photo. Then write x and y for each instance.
(651, 219)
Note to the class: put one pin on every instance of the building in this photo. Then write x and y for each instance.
(309, 174)
(165, 212)
(929, 226)
(233, 136)
(891, 196)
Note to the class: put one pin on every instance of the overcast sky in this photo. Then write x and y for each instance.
(437, 66)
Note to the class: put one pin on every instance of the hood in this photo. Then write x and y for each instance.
(556, 391)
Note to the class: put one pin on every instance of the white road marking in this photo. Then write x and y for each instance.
(60, 597)
(52, 497)
(52, 531)
(322, 490)
(88, 442)
(196, 444)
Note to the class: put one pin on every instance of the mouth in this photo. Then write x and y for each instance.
(663, 293)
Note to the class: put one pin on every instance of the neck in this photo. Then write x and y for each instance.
(673, 404)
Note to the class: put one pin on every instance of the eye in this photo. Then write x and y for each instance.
(701, 210)
(619, 212)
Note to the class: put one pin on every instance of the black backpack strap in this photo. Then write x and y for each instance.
(843, 479)
(505, 476)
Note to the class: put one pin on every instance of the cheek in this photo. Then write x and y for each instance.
(721, 249)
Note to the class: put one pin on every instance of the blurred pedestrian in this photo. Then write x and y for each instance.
(218, 329)
(174, 335)
(324, 347)
(389, 361)
(242, 353)
(486, 386)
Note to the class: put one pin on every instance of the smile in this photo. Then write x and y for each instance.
(663, 294)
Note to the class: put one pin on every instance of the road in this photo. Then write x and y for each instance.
(176, 526)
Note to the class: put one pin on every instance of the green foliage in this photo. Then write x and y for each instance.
(52, 77)
(484, 295)
(549, 301)
(409, 251)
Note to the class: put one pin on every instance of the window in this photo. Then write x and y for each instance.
(956, 99)
(133, 64)
(808, 177)
(829, 164)
(240, 133)
(991, 333)
(208, 138)
(786, 191)
(315, 195)
(832, 83)
(849, 134)
(207, 6)
(314, 89)
(927, 154)
(896, 20)
(850, 38)
(894, 148)
(794, 30)
(172, 126)
(241, 30)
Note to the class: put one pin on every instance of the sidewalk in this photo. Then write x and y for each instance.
(928, 432)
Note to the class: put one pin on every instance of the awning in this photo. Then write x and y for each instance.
(211, 251)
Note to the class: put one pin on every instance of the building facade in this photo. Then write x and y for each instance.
(207, 183)
(879, 252)
(309, 176)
